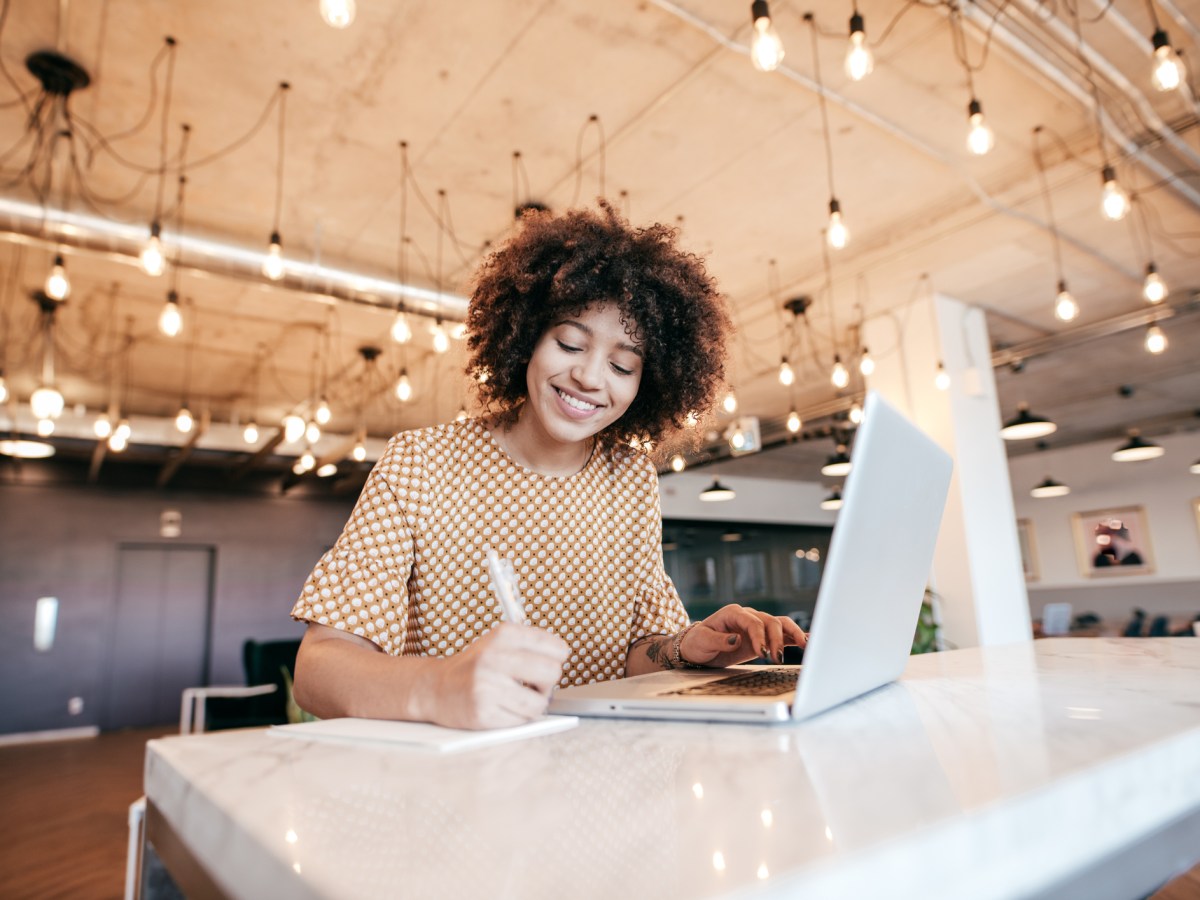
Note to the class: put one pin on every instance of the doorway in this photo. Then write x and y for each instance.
(162, 632)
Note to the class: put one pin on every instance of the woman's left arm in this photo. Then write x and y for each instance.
(733, 634)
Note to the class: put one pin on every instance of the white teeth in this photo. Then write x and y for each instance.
(575, 403)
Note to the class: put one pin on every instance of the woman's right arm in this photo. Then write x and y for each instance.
(503, 679)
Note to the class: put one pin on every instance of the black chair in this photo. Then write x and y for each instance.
(269, 666)
(1160, 626)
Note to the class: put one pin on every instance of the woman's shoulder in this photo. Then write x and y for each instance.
(446, 443)
(631, 466)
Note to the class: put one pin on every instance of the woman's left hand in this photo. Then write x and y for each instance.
(737, 634)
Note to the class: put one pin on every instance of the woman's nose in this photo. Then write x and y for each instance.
(587, 372)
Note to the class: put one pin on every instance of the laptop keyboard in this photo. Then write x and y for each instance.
(766, 683)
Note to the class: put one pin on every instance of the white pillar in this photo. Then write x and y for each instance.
(977, 566)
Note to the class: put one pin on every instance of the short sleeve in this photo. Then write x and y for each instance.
(659, 609)
(361, 584)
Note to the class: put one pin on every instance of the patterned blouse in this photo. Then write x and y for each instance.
(409, 571)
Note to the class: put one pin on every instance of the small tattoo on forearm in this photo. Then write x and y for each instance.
(658, 651)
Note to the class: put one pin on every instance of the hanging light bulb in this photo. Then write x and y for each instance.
(184, 420)
(327, 470)
(306, 461)
(766, 49)
(866, 364)
(404, 387)
(1065, 307)
(272, 265)
(1168, 67)
(730, 403)
(401, 331)
(170, 320)
(793, 422)
(1114, 202)
(856, 414)
(337, 13)
(58, 285)
(250, 433)
(839, 376)
(1154, 289)
(123, 431)
(312, 432)
(979, 136)
(45, 427)
(1156, 340)
(786, 375)
(323, 413)
(836, 232)
(462, 415)
(678, 463)
(293, 428)
(3, 388)
(859, 60)
(942, 379)
(119, 439)
(441, 341)
(151, 257)
(360, 450)
(103, 426)
(46, 402)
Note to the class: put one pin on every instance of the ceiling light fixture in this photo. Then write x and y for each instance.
(1156, 340)
(22, 449)
(794, 422)
(359, 453)
(786, 375)
(184, 420)
(717, 492)
(836, 232)
(1026, 426)
(941, 380)
(859, 60)
(833, 501)
(170, 320)
(58, 285)
(1167, 74)
(3, 388)
(980, 139)
(1114, 201)
(1136, 449)
(866, 364)
(856, 413)
(327, 470)
(1154, 289)
(837, 465)
(293, 428)
(441, 340)
(337, 13)
(401, 330)
(151, 257)
(250, 433)
(678, 463)
(1049, 488)
(730, 402)
(404, 389)
(119, 439)
(47, 402)
(272, 265)
(1065, 306)
(766, 49)
(839, 376)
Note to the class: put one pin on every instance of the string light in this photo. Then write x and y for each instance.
(1114, 202)
(1065, 307)
(250, 434)
(337, 13)
(404, 387)
(272, 266)
(980, 138)
(786, 375)
(866, 364)
(58, 285)
(942, 379)
(859, 60)
(170, 320)
(793, 421)
(184, 420)
(839, 376)
(1156, 340)
(1154, 289)
(766, 49)
(1167, 74)
(401, 330)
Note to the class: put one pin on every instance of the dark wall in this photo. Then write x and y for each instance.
(63, 541)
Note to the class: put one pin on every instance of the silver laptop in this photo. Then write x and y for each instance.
(880, 556)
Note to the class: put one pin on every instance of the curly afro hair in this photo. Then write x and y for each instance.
(557, 266)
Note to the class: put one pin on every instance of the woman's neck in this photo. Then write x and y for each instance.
(531, 448)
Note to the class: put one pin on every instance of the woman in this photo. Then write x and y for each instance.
(589, 342)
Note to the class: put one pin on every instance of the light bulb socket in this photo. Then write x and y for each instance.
(1062, 286)
(1159, 39)
(1107, 174)
(759, 10)
(173, 297)
(856, 24)
(275, 239)
(1151, 269)
(834, 206)
(155, 229)
(974, 108)
(58, 259)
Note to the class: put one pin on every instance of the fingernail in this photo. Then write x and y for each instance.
(764, 652)
(779, 656)
(732, 640)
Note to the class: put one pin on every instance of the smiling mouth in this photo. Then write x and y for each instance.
(575, 402)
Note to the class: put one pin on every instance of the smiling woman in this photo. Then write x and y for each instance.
(591, 342)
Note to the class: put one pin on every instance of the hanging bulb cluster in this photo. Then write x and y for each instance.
(766, 49)
(839, 377)
(1167, 74)
(979, 136)
(1065, 307)
(170, 320)
(1114, 202)
(58, 285)
(859, 60)
(1154, 289)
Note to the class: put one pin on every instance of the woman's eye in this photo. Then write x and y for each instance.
(568, 348)
(620, 370)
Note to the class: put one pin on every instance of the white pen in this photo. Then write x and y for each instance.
(504, 587)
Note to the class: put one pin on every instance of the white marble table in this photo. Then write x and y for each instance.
(1067, 767)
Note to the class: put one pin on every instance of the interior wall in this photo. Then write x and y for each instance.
(1163, 487)
(63, 541)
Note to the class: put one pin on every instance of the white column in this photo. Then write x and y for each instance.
(977, 566)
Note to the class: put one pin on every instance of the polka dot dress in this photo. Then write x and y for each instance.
(409, 571)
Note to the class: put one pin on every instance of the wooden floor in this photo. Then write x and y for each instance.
(64, 824)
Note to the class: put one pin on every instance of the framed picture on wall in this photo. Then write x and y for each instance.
(1111, 542)
(1029, 560)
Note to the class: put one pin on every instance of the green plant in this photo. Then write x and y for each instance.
(926, 638)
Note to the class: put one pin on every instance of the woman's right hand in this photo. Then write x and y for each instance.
(504, 678)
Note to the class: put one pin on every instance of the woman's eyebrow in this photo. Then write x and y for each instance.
(628, 347)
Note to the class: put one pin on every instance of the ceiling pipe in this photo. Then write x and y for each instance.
(24, 222)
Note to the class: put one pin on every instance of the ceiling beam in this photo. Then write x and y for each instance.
(174, 463)
(259, 456)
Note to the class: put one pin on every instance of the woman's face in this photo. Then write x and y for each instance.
(583, 374)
